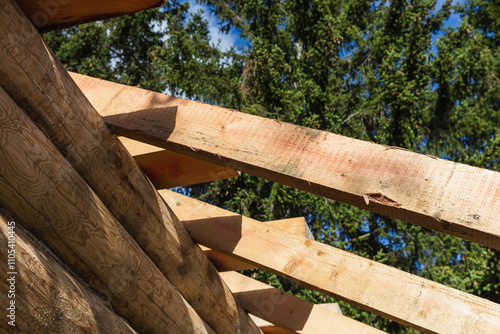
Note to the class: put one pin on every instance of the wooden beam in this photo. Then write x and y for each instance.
(49, 15)
(287, 311)
(45, 296)
(408, 299)
(41, 188)
(268, 328)
(37, 81)
(167, 169)
(225, 262)
(453, 198)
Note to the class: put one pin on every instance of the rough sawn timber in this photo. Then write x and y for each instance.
(408, 299)
(225, 262)
(288, 311)
(36, 80)
(167, 169)
(41, 189)
(47, 297)
(48, 15)
(453, 198)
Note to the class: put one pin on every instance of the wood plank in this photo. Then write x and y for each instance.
(268, 328)
(225, 262)
(37, 81)
(287, 311)
(453, 198)
(49, 15)
(167, 169)
(41, 189)
(47, 298)
(372, 286)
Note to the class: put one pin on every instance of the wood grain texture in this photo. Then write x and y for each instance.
(37, 81)
(48, 299)
(288, 311)
(453, 198)
(49, 15)
(372, 286)
(225, 262)
(68, 215)
(167, 169)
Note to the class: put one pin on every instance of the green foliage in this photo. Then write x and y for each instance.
(387, 71)
(161, 50)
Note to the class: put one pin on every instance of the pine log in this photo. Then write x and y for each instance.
(290, 312)
(68, 214)
(37, 81)
(49, 15)
(408, 299)
(453, 198)
(167, 169)
(47, 298)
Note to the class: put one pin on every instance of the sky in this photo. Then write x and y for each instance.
(226, 40)
(233, 39)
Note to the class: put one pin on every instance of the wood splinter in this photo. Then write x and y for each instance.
(380, 199)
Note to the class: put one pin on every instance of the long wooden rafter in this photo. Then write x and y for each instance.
(48, 15)
(288, 311)
(167, 169)
(225, 262)
(375, 287)
(457, 199)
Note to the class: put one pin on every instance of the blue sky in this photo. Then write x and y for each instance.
(226, 41)
(233, 38)
(454, 19)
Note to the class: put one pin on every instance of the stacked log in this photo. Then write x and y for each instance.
(110, 179)
(41, 295)
(42, 190)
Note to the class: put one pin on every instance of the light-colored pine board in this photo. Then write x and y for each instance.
(167, 169)
(287, 311)
(296, 225)
(49, 15)
(375, 287)
(268, 328)
(68, 215)
(38, 83)
(457, 199)
(47, 298)
(225, 262)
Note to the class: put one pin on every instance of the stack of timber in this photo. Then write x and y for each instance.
(89, 218)
(79, 186)
(374, 177)
(50, 299)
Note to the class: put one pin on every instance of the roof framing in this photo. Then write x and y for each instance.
(450, 197)
(76, 187)
(408, 299)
